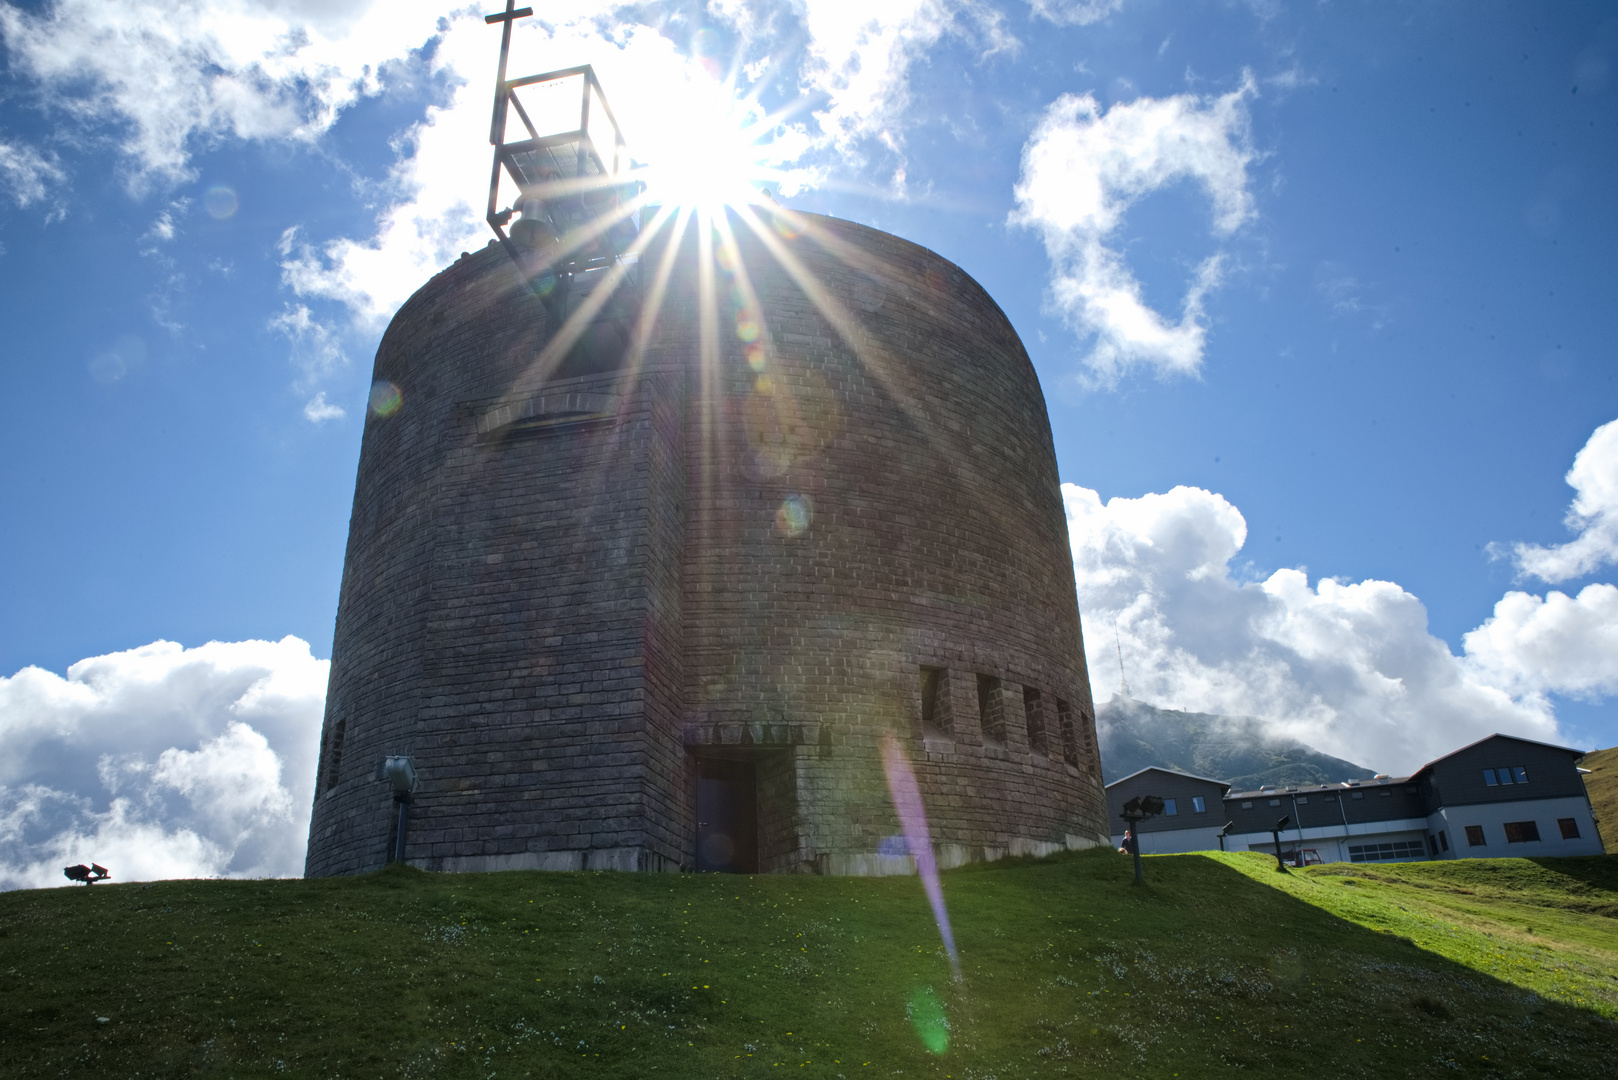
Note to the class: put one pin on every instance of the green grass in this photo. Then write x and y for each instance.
(1219, 967)
(1602, 787)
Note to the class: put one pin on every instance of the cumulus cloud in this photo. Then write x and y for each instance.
(318, 410)
(1349, 668)
(160, 78)
(1593, 516)
(161, 762)
(1084, 167)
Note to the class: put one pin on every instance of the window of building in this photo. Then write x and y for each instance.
(1033, 711)
(1385, 794)
(334, 753)
(1070, 737)
(1275, 802)
(1569, 827)
(1474, 836)
(1396, 849)
(1432, 844)
(1197, 805)
(1356, 794)
(1522, 832)
(1520, 773)
(1169, 809)
(1488, 777)
(1303, 799)
(1443, 839)
(934, 701)
(991, 713)
(1248, 805)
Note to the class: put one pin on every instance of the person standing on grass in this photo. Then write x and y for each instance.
(1130, 845)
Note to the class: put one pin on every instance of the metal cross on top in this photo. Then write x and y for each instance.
(508, 16)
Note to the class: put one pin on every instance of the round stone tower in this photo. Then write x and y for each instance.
(643, 579)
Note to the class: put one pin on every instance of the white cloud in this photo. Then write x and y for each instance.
(1557, 643)
(318, 410)
(1348, 668)
(160, 78)
(317, 347)
(1083, 168)
(161, 761)
(860, 56)
(1075, 12)
(26, 172)
(1593, 515)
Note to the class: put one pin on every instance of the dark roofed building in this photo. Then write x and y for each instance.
(1192, 814)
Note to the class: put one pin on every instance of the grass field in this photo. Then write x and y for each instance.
(1220, 966)
(1602, 787)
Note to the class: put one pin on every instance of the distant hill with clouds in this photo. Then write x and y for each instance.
(1134, 735)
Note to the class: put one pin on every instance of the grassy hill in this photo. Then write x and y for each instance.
(1134, 735)
(1219, 967)
(1602, 787)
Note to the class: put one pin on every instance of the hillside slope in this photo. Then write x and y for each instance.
(1602, 787)
(1217, 968)
(1134, 735)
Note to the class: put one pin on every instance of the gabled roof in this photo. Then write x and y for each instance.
(1168, 772)
(1497, 735)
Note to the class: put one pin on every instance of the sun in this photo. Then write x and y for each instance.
(707, 148)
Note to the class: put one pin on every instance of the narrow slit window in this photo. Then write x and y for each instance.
(934, 701)
(1033, 709)
(1070, 738)
(991, 715)
(334, 753)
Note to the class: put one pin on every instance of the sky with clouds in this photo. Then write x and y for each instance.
(1323, 301)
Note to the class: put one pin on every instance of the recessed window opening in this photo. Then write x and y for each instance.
(334, 753)
(1569, 827)
(1302, 799)
(934, 701)
(1474, 836)
(1275, 802)
(1034, 716)
(1070, 737)
(1356, 794)
(1197, 805)
(1443, 839)
(991, 714)
(1522, 832)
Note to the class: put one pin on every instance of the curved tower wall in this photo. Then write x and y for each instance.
(818, 507)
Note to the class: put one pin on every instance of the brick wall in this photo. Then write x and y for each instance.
(771, 520)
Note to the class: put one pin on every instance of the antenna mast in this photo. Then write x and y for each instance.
(1120, 646)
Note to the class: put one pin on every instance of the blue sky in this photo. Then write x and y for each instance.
(1323, 299)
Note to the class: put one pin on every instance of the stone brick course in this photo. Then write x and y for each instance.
(560, 592)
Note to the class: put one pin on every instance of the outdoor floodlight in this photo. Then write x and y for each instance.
(401, 773)
(1280, 863)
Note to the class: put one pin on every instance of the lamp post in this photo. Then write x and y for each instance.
(400, 772)
(1137, 810)
(1280, 863)
(1224, 832)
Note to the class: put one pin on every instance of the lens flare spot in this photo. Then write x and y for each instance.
(784, 226)
(545, 284)
(755, 357)
(926, 1013)
(793, 516)
(747, 328)
(220, 202)
(764, 385)
(385, 398)
(726, 259)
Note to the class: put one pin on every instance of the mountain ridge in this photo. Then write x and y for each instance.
(1134, 735)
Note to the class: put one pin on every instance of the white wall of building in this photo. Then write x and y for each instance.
(1176, 841)
(1493, 817)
